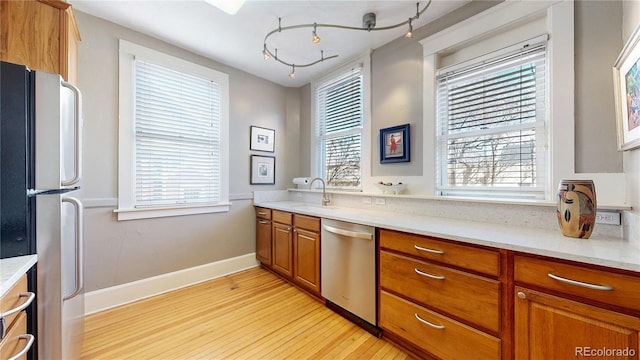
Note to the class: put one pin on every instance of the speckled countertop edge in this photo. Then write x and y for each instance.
(11, 269)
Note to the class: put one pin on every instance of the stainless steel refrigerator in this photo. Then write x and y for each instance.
(40, 207)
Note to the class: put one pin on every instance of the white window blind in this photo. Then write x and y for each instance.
(491, 126)
(340, 109)
(177, 137)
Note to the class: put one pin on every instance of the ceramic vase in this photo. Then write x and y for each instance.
(576, 208)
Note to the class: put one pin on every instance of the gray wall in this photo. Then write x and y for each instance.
(120, 252)
(598, 41)
(396, 94)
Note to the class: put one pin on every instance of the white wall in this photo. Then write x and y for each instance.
(125, 251)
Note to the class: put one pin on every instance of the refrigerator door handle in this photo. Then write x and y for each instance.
(78, 135)
(79, 261)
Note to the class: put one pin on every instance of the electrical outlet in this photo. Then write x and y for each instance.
(366, 200)
(608, 217)
(299, 195)
(381, 201)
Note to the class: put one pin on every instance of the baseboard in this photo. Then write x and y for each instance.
(118, 295)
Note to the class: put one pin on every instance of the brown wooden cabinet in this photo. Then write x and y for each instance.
(432, 298)
(289, 244)
(306, 252)
(552, 327)
(16, 339)
(570, 311)
(41, 34)
(263, 235)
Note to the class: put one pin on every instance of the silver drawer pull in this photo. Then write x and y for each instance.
(26, 348)
(29, 295)
(580, 283)
(263, 221)
(436, 277)
(439, 327)
(428, 250)
(262, 213)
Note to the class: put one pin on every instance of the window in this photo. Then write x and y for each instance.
(339, 129)
(172, 136)
(491, 125)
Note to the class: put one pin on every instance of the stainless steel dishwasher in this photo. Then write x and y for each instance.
(348, 271)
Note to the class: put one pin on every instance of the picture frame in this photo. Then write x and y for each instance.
(263, 170)
(626, 80)
(262, 139)
(394, 144)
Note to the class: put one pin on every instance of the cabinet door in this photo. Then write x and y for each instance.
(282, 251)
(263, 241)
(306, 259)
(550, 327)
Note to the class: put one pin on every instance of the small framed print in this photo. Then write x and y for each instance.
(394, 144)
(263, 170)
(262, 139)
(626, 79)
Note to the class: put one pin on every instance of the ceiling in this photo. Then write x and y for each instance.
(237, 40)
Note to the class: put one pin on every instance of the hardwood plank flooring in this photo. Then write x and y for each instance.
(248, 315)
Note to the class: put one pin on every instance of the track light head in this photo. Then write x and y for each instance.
(409, 33)
(316, 38)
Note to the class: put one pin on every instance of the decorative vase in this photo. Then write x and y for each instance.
(576, 208)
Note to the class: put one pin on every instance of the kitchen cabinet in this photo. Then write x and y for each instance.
(15, 339)
(263, 235)
(289, 244)
(306, 252)
(41, 34)
(566, 310)
(440, 297)
(282, 236)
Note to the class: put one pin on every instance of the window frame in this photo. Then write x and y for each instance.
(126, 134)
(559, 24)
(317, 157)
(539, 127)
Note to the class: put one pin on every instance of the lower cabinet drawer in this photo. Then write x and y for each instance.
(15, 341)
(434, 333)
(466, 296)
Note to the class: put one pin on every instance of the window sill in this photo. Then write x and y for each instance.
(543, 203)
(149, 213)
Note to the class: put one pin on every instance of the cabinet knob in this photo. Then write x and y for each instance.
(522, 295)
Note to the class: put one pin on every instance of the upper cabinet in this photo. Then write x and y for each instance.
(41, 34)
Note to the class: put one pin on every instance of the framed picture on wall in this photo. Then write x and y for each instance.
(394, 144)
(626, 80)
(263, 170)
(262, 139)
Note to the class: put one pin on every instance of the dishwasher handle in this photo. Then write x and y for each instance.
(349, 233)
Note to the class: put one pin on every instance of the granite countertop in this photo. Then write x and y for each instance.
(11, 269)
(597, 250)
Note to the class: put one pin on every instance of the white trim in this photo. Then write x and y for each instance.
(119, 295)
(559, 15)
(142, 213)
(126, 149)
(365, 161)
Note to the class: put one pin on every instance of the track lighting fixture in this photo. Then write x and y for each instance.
(409, 33)
(316, 38)
(368, 24)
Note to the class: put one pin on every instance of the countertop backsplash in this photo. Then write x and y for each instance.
(541, 216)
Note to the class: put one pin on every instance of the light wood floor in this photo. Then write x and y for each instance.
(248, 315)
